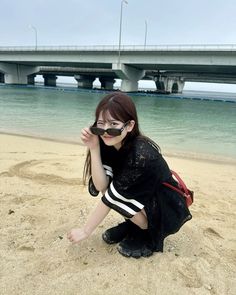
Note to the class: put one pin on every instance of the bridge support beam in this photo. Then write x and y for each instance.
(107, 82)
(169, 84)
(17, 74)
(85, 81)
(50, 80)
(129, 75)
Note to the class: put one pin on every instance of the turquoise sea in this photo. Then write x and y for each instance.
(195, 124)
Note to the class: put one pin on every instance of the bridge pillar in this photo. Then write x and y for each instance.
(50, 80)
(31, 79)
(159, 85)
(107, 82)
(180, 85)
(2, 78)
(17, 74)
(129, 75)
(175, 85)
(85, 81)
(169, 84)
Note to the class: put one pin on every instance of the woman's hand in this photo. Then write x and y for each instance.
(90, 140)
(77, 234)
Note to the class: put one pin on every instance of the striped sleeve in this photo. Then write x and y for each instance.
(91, 187)
(108, 170)
(123, 204)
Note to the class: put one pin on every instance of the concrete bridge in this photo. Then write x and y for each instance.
(169, 66)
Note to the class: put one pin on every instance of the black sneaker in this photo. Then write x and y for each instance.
(135, 245)
(117, 233)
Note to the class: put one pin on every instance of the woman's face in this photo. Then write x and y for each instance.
(108, 121)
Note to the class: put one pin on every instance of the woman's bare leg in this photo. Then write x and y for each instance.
(140, 219)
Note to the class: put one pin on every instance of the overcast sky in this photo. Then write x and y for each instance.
(96, 22)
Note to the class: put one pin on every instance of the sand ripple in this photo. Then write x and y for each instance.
(24, 170)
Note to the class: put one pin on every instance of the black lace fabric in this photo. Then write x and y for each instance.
(138, 174)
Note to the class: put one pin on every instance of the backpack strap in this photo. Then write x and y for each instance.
(181, 189)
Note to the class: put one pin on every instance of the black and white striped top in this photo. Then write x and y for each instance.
(135, 175)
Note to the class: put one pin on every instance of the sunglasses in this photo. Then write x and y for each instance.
(110, 131)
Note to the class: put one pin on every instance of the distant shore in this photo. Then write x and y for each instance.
(172, 154)
(229, 97)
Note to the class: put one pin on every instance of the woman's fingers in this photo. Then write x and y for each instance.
(86, 131)
(77, 235)
(85, 135)
(71, 237)
(88, 138)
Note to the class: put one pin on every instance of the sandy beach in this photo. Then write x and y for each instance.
(42, 197)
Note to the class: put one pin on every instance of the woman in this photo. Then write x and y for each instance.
(129, 170)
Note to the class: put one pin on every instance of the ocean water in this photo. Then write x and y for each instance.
(191, 124)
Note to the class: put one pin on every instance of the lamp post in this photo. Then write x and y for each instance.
(36, 35)
(121, 12)
(145, 36)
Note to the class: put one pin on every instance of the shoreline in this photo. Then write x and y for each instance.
(41, 138)
(218, 159)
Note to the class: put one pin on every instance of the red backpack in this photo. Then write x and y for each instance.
(181, 189)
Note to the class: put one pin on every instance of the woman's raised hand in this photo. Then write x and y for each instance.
(90, 140)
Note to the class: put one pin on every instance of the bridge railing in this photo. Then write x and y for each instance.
(171, 47)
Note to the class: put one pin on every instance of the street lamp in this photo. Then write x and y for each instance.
(121, 12)
(145, 37)
(36, 35)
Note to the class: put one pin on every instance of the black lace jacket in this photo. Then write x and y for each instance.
(136, 177)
